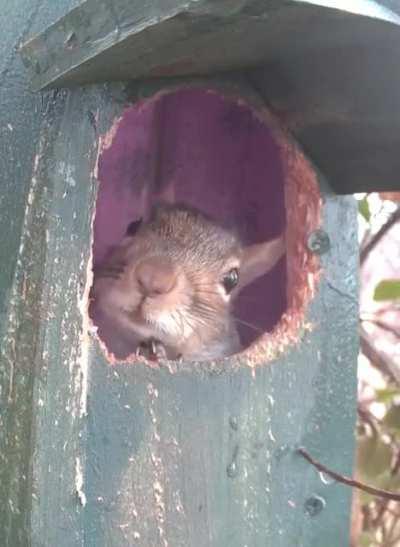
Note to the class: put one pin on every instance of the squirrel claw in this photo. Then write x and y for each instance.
(151, 349)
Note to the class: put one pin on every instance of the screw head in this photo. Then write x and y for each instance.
(232, 470)
(233, 422)
(314, 505)
(318, 242)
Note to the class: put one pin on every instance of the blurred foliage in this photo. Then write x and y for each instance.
(363, 209)
(388, 289)
(376, 521)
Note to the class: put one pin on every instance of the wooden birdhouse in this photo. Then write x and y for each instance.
(261, 114)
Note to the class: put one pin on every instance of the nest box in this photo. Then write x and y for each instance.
(262, 113)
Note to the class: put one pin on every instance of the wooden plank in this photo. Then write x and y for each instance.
(45, 355)
(60, 390)
(327, 68)
(21, 118)
(344, 118)
(198, 456)
(99, 41)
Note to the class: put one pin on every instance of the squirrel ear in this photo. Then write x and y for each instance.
(260, 258)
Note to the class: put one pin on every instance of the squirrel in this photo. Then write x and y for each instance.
(166, 291)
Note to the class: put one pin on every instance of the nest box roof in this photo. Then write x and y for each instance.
(328, 69)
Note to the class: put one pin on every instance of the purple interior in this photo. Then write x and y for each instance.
(207, 150)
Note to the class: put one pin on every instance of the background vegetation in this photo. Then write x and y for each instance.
(376, 522)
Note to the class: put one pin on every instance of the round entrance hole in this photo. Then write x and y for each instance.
(218, 154)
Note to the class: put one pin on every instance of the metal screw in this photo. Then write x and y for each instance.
(314, 505)
(233, 422)
(318, 242)
(232, 469)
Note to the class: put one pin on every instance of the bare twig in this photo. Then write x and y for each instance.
(378, 520)
(395, 217)
(382, 325)
(367, 417)
(348, 480)
(377, 359)
(391, 307)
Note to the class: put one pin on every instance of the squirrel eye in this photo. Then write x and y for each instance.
(230, 280)
(133, 227)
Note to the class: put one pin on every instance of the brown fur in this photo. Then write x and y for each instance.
(192, 317)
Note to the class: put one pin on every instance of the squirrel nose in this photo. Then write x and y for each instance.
(155, 275)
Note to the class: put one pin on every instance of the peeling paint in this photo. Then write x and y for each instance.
(159, 472)
(13, 322)
(83, 305)
(79, 483)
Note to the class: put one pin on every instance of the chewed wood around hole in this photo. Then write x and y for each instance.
(230, 161)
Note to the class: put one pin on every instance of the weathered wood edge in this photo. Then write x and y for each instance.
(55, 56)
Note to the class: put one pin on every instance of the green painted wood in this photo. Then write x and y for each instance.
(183, 456)
(205, 457)
(43, 360)
(103, 41)
(190, 455)
(328, 68)
(23, 118)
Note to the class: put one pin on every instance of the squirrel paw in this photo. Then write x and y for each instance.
(151, 349)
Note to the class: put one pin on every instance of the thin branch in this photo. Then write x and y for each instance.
(378, 520)
(382, 325)
(395, 217)
(348, 480)
(368, 418)
(391, 307)
(377, 359)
